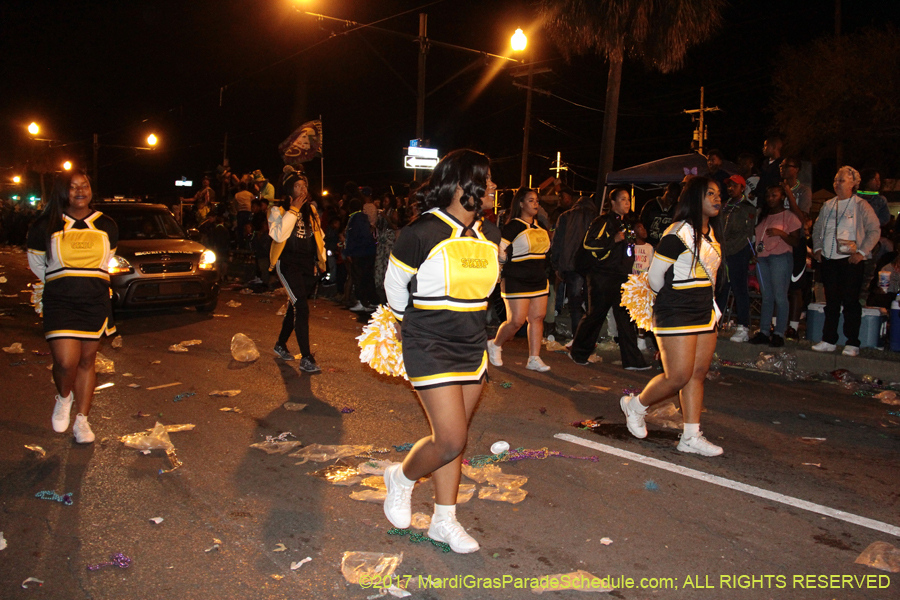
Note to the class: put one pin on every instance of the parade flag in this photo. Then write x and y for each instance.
(303, 145)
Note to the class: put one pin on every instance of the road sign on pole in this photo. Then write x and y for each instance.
(420, 162)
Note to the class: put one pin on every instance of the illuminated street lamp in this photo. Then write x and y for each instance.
(17, 179)
(67, 166)
(152, 140)
(33, 129)
(519, 40)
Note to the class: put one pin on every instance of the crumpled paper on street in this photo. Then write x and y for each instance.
(369, 564)
(117, 342)
(420, 521)
(104, 365)
(554, 346)
(225, 393)
(592, 389)
(325, 452)
(370, 495)
(340, 473)
(880, 555)
(232, 304)
(580, 581)
(15, 348)
(888, 397)
(665, 414)
(34, 448)
(374, 481)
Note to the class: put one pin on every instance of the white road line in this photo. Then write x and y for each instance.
(735, 485)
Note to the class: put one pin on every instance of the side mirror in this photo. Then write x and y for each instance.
(193, 234)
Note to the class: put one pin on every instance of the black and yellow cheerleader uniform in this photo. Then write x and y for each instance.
(525, 271)
(73, 265)
(437, 284)
(684, 283)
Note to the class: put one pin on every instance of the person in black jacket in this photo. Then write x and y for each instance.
(610, 242)
(570, 230)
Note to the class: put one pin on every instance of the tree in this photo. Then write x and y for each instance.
(842, 95)
(658, 32)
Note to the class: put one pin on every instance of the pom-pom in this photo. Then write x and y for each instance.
(37, 298)
(638, 298)
(379, 346)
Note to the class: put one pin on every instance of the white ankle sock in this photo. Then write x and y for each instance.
(444, 512)
(68, 398)
(401, 478)
(795, 325)
(691, 430)
(636, 406)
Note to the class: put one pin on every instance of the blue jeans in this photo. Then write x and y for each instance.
(736, 281)
(575, 288)
(775, 279)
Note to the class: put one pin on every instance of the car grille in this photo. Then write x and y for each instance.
(166, 267)
(157, 291)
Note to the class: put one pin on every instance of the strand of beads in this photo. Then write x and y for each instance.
(51, 495)
(116, 560)
(417, 538)
(181, 397)
(403, 447)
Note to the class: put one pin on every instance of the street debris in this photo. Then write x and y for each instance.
(134, 385)
(347, 410)
(104, 365)
(232, 304)
(216, 544)
(325, 452)
(165, 385)
(279, 547)
(277, 444)
(340, 473)
(104, 386)
(375, 496)
(370, 565)
(243, 349)
(417, 538)
(41, 453)
(580, 581)
(294, 406)
(281, 311)
(465, 492)
(651, 486)
(665, 414)
(234, 409)
(812, 465)
(499, 447)
(506, 385)
(374, 467)
(880, 555)
(594, 358)
(51, 495)
(300, 563)
(403, 447)
(222, 316)
(606, 541)
(393, 591)
(2, 541)
(157, 439)
(225, 393)
(177, 348)
(420, 521)
(15, 348)
(117, 342)
(374, 481)
(277, 577)
(813, 439)
(157, 520)
(594, 389)
(32, 580)
(127, 374)
(156, 362)
(182, 396)
(888, 397)
(116, 560)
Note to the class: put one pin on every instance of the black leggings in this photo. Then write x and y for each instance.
(298, 286)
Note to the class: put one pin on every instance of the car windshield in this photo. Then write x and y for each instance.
(145, 225)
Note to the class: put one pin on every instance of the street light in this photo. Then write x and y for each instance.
(17, 179)
(33, 129)
(519, 40)
(152, 139)
(67, 166)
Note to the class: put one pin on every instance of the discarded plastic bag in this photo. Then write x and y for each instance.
(340, 473)
(282, 311)
(295, 406)
(15, 348)
(192, 342)
(177, 348)
(376, 496)
(375, 481)
(103, 364)
(232, 304)
(375, 467)
(783, 363)
(665, 415)
(41, 453)
(225, 393)
(579, 580)
(594, 389)
(880, 555)
(479, 474)
(371, 565)
(420, 521)
(513, 496)
(276, 447)
(506, 482)
(243, 349)
(157, 439)
(888, 397)
(324, 452)
(554, 346)
(465, 493)
(117, 342)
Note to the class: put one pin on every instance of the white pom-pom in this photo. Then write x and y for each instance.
(379, 346)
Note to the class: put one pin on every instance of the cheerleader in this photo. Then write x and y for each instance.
(524, 286)
(683, 275)
(69, 249)
(441, 272)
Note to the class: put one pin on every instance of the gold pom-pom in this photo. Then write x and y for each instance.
(379, 346)
(37, 298)
(638, 298)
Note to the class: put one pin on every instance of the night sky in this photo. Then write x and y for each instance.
(125, 69)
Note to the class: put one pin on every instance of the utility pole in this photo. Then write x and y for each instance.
(700, 132)
(530, 71)
(420, 92)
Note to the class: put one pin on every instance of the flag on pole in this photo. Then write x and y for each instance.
(303, 145)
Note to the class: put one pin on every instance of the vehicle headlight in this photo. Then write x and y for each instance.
(118, 265)
(208, 260)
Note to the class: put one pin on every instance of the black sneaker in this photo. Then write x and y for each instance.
(308, 364)
(583, 363)
(791, 334)
(282, 352)
(760, 338)
(777, 341)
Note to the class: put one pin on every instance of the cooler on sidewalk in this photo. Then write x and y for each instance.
(872, 329)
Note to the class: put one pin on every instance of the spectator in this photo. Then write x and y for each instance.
(657, 213)
(570, 230)
(567, 198)
(360, 247)
(611, 259)
(714, 160)
(746, 165)
(770, 172)
(205, 197)
(385, 236)
(870, 192)
(777, 232)
(244, 200)
(844, 235)
(264, 188)
(790, 169)
(739, 217)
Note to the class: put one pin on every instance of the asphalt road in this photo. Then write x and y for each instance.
(662, 524)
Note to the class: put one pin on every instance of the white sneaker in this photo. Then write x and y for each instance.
(633, 418)
(358, 307)
(851, 351)
(495, 354)
(451, 532)
(82, 429)
(699, 445)
(824, 347)
(536, 364)
(61, 412)
(398, 500)
(642, 343)
(741, 335)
